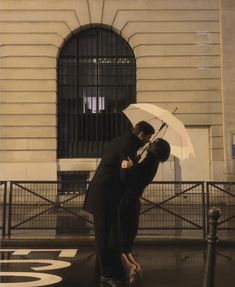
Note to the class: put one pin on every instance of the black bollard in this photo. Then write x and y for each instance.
(209, 277)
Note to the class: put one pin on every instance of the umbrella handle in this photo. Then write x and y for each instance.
(137, 159)
(161, 127)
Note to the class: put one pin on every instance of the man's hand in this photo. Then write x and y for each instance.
(127, 163)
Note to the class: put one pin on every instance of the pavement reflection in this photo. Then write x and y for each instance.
(163, 266)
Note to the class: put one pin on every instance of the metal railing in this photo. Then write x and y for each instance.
(39, 205)
(173, 205)
(57, 205)
(222, 195)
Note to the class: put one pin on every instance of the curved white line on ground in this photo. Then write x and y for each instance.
(44, 279)
(53, 264)
(66, 252)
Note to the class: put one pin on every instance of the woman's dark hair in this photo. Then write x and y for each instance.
(144, 127)
(161, 149)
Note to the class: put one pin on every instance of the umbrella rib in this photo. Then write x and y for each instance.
(174, 132)
(154, 119)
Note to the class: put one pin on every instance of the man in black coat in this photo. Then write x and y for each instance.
(106, 191)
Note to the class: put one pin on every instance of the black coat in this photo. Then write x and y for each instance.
(107, 186)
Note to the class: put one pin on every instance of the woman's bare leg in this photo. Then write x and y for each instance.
(129, 267)
(133, 261)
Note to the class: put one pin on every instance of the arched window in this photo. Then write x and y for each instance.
(96, 81)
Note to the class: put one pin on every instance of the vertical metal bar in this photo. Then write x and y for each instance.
(116, 82)
(4, 209)
(80, 100)
(89, 93)
(203, 210)
(98, 83)
(106, 89)
(63, 104)
(76, 111)
(10, 209)
(59, 114)
(207, 205)
(71, 110)
(67, 127)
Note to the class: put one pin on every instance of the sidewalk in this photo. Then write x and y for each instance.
(88, 240)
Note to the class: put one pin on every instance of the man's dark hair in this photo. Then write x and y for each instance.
(161, 149)
(144, 127)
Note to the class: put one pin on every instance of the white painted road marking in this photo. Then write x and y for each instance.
(63, 252)
(44, 279)
(52, 264)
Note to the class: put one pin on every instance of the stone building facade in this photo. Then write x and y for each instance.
(185, 58)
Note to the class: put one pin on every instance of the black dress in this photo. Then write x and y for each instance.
(127, 219)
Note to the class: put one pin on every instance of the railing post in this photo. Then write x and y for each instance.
(213, 214)
(4, 209)
(10, 209)
(203, 210)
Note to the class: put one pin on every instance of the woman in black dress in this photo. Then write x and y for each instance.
(136, 178)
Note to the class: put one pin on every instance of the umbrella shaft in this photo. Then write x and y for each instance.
(162, 126)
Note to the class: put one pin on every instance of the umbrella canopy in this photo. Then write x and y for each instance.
(173, 131)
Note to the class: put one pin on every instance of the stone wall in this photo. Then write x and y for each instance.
(177, 45)
(228, 83)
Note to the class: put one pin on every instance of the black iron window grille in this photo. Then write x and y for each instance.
(96, 81)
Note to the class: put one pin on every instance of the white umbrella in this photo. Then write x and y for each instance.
(166, 125)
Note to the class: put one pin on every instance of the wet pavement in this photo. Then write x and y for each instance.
(163, 266)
